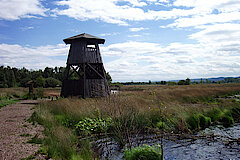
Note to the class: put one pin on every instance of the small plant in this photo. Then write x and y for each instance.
(35, 140)
(193, 122)
(236, 113)
(161, 125)
(214, 114)
(97, 125)
(227, 119)
(204, 121)
(144, 152)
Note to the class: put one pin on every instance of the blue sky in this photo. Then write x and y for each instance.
(145, 39)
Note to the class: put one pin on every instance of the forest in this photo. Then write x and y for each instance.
(49, 77)
(14, 77)
(53, 77)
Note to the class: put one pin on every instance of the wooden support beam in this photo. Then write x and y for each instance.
(84, 80)
(95, 71)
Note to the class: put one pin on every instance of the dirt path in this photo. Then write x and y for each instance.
(15, 131)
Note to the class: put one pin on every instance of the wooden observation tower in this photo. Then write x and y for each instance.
(85, 61)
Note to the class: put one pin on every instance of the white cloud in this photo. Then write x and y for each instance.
(16, 9)
(111, 12)
(137, 29)
(109, 34)
(197, 12)
(27, 28)
(207, 12)
(33, 57)
(140, 61)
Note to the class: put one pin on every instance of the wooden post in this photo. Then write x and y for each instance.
(84, 80)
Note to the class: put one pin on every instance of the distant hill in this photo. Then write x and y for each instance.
(210, 79)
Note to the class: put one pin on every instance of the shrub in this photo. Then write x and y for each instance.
(227, 119)
(215, 114)
(193, 122)
(52, 82)
(97, 125)
(144, 152)
(161, 125)
(236, 113)
(204, 121)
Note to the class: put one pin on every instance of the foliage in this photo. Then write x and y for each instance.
(236, 113)
(97, 125)
(52, 82)
(109, 78)
(214, 114)
(171, 83)
(6, 101)
(161, 125)
(204, 121)
(227, 119)
(133, 112)
(35, 140)
(193, 122)
(144, 152)
(40, 82)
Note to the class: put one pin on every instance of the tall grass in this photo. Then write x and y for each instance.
(169, 108)
(13, 92)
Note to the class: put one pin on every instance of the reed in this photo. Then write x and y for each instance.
(132, 111)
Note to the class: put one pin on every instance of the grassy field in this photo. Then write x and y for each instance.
(135, 109)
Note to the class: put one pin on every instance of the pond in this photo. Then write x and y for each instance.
(212, 143)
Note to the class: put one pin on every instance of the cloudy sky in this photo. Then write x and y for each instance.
(145, 39)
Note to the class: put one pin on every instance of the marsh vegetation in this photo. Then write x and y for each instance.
(71, 123)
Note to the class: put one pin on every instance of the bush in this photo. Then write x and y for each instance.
(193, 122)
(161, 125)
(97, 125)
(215, 114)
(236, 113)
(204, 121)
(52, 82)
(227, 119)
(144, 152)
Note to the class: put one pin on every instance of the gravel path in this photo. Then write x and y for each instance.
(15, 131)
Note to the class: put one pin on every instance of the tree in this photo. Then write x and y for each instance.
(163, 82)
(109, 78)
(181, 82)
(188, 81)
(149, 82)
(52, 82)
(11, 79)
(40, 82)
(2, 79)
(24, 81)
(171, 83)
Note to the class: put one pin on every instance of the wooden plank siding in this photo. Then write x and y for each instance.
(84, 58)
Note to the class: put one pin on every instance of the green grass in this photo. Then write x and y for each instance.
(6, 101)
(144, 152)
(154, 108)
(35, 140)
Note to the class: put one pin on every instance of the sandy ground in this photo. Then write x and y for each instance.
(13, 130)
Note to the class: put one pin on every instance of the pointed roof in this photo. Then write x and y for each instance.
(83, 36)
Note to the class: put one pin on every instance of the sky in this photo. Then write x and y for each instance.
(144, 39)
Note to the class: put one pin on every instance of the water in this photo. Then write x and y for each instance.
(213, 143)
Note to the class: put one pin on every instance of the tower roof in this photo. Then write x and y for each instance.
(83, 36)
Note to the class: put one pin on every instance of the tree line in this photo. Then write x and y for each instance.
(49, 77)
(15, 77)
